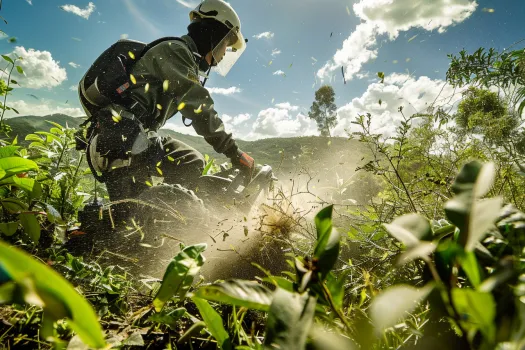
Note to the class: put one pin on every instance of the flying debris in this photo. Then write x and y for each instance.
(343, 73)
(67, 101)
(76, 39)
(332, 33)
(412, 38)
(33, 96)
(485, 9)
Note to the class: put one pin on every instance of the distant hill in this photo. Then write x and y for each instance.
(336, 157)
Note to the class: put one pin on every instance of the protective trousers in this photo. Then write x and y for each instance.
(176, 162)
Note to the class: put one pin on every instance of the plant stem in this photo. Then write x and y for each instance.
(328, 296)
(5, 96)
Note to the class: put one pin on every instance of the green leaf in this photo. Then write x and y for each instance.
(410, 229)
(289, 320)
(381, 75)
(8, 151)
(16, 165)
(484, 215)
(179, 275)
(13, 205)
(53, 215)
(9, 229)
(33, 137)
(423, 249)
(135, 339)
(168, 318)
(19, 69)
(326, 249)
(207, 167)
(238, 292)
(49, 284)
(31, 225)
(49, 136)
(8, 59)
(469, 264)
(213, 323)
(395, 303)
(477, 310)
(24, 183)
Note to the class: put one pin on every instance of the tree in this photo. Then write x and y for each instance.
(483, 112)
(323, 110)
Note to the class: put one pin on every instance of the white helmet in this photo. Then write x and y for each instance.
(221, 11)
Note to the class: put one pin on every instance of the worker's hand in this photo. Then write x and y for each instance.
(243, 160)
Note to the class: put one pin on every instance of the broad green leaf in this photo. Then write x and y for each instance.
(179, 275)
(49, 136)
(8, 151)
(207, 167)
(37, 191)
(168, 318)
(20, 70)
(484, 215)
(9, 229)
(289, 320)
(135, 339)
(55, 124)
(326, 250)
(213, 323)
(49, 284)
(320, 339)
(423, 249)
(336, 288)
(53, 215)
(323, 222)
(33, 137)
(31, 225)
(395, 303)
(485, 180)
(8, 59)
(16, 165)
(477, 310)
(249, 294)
(469, 264)
(410, 229)
(26, 184)
(13, 205)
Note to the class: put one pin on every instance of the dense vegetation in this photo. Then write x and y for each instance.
(430, 255)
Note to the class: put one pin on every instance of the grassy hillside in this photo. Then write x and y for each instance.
(331, 160)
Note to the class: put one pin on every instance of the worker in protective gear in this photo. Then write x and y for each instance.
(164, 81)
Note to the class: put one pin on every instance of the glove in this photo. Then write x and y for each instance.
(242, 159)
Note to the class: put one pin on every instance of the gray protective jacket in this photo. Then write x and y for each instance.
(166, 80)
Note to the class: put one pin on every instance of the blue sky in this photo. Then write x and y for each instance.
(306, 41)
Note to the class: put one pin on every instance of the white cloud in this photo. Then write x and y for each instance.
(43, 108)
(40, 69)
(278, 122)
(84, 13)
(279, 72)
(224, 91)
(73, 88)
(30, 2)
(393, 16)
(276, 52)
(414, 95)
(188, 4)
(235, 120)
(74, 65)
(287, 106)
(265, 35)
(390, 17)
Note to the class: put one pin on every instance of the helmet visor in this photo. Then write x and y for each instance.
(228, 51)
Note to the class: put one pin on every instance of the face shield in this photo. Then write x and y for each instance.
(228, 51)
